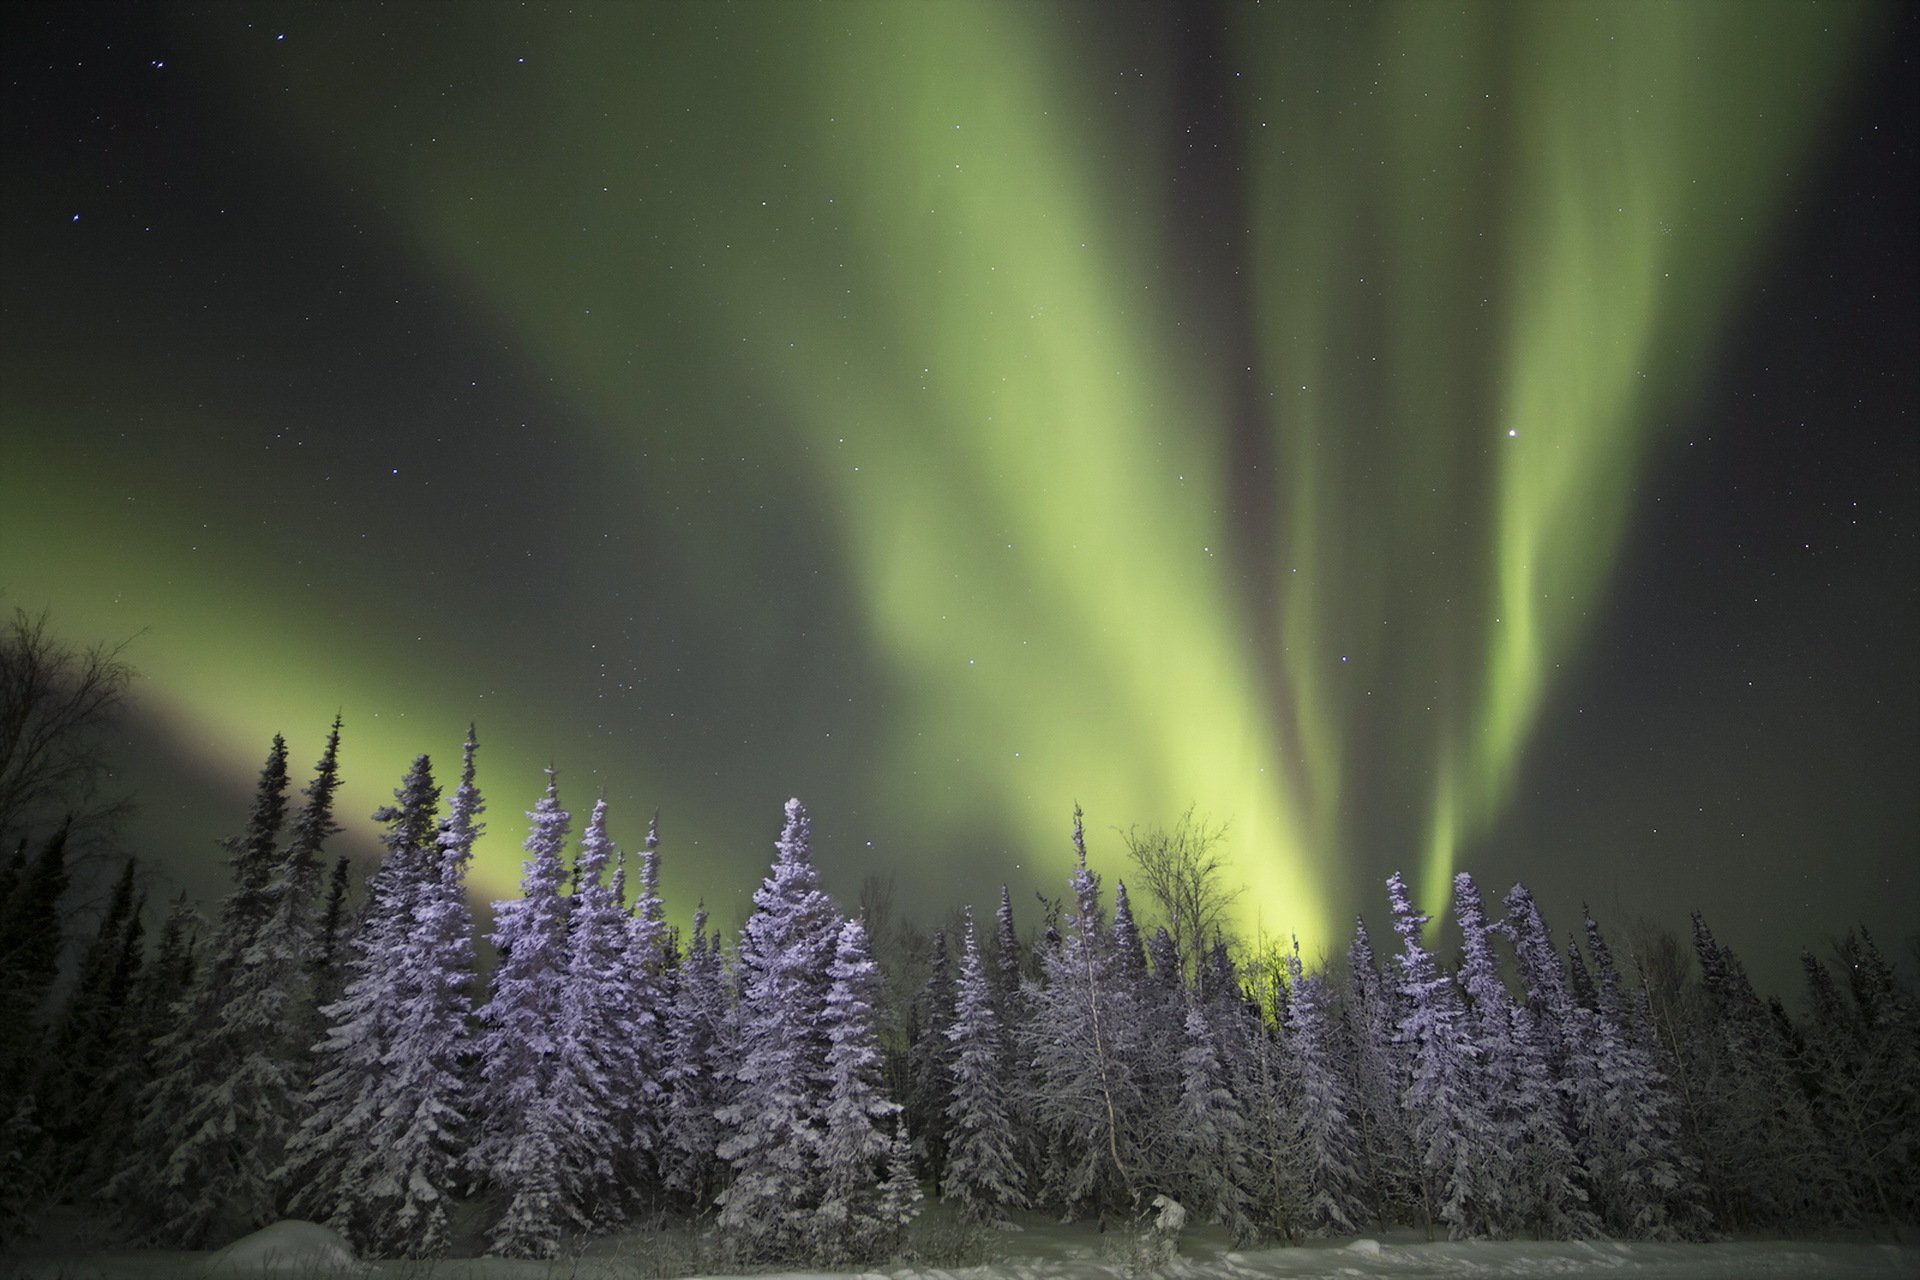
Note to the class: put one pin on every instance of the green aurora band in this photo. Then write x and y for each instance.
(1303, 545)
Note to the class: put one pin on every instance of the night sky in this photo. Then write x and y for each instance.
(1420, 436)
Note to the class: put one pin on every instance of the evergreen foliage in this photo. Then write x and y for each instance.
(857, 1219)
(522, 1120)
(690, 1133)
(222, 1104)
(377, 1157)
(984, 1176)
(771, 1125)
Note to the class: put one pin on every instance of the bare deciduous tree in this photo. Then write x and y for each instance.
(1184, 870)
(56, 699)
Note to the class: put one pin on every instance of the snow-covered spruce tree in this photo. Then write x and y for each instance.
(1761, 1156)
(1326, 1138)
(1084, 1096)
(158, 988)
(1378, 1074)
(647, 966)
(1453, 1134)
(292, 942)
(1887, 1015)
(217, 1114)
(1153, 1041)
(521, 1119)
(855, 1221)
(1007, 968)
(430, 1063)
(76, 1080)
(1212, 1139)
(698, 1010)
(1620, 1122)
(593, 1043)
(1862, 1060)
(930, 1065)
(364, 1160)
(326, 978)
(771, 1126)
(1660, 1194)
(1543, 1188)
(983, 1174)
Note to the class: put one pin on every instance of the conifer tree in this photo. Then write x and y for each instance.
(1759, 1148)
(930, 1065)
(1085, 1098)
(1212, 1135)
(153, 1007)
(76, 1080)
(327, 978)
(522, 1121)
(1451, 1130)
(374, 1158)
(1861, 1057)
(291, 942)
(1531, 1160)
(1006, 957)
(690, 1134)
(1326, 1137)
(647, 965)
(218, 1110)
(594, 1042)
(29, 960)
(855, 1221)
(1379, 1073)
(984, 1176)
(771, 1126)
(430, 1062)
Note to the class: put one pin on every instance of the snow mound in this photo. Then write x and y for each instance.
(1366, 1247)
(302, 1248)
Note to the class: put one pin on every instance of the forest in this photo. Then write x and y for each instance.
(354, 1054)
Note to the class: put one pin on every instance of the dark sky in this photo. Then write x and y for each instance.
(1425, 437)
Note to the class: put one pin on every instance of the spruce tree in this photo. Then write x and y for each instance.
(1452, 1132)
(1761, 1154)
(327, 977)
(521, 1119)
(153, 1007)
(1532, 1161)
(594, 1040)
(771, 1125)
(429, 1060)
(698, 1011)
(854, 1221)
(1326, 1137)
(1085, 1098)
(372, 1159)
(30, 926)
(1213, 1137)
(219, 1109)
(930, 1065)
(1379, 1073)
(648, 964)
(983, 1175)
(77, 1079)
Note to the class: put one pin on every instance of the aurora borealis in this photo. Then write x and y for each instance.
(1416, 435)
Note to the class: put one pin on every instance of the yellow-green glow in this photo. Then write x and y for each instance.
(923, 272)
(1555, 208)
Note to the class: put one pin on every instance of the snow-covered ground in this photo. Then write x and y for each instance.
(1042, 1250)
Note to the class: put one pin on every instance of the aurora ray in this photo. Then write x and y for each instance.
(957, 409)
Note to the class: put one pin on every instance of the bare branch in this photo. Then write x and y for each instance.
(56, 700)
(1184, 871)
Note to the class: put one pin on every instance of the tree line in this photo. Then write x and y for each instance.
(317, 1053)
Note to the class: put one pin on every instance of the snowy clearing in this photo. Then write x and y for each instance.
(1043, 1250)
